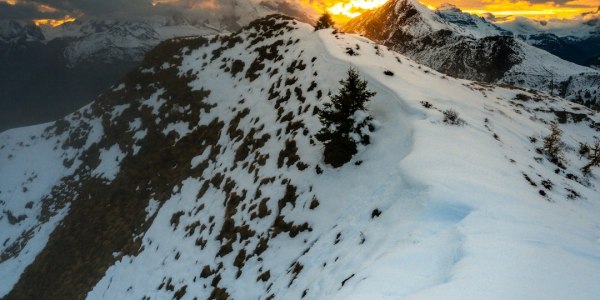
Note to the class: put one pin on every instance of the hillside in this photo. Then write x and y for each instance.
(198, 177)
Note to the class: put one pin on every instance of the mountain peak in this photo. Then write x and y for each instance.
(467, 46)
(448, 7)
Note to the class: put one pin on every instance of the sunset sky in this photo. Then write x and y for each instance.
(537, 9)
(55, 12)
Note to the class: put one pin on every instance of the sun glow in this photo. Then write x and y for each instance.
(342, 11)
(53, 22)
(354, 8)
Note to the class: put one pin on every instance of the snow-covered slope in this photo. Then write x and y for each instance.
(199, 177)
(467, 46)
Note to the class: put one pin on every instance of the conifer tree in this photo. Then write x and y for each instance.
(552, 145)
(345, 120)
(325, 21)
(593, 158)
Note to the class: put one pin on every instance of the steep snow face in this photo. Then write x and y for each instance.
(199, 177)
(35, 165)
(469, 47)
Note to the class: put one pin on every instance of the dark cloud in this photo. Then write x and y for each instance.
(224, 11)
(29, 9)
(556, 2)
(492, 18)
(25, 11)
(291, 9)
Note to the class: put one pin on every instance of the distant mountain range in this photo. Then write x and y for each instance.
(575, 41)
(467, 46)
(48, 72)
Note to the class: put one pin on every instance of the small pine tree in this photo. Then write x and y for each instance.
(325, 21)
(552, 145)
(593, 156)
(345, 120)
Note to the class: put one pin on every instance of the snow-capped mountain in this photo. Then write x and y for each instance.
(577, 40)
(467, 46)
(109, 41)
(199, 177)
(18, 32)
(467, 24)
(104, 40)
(49, 72)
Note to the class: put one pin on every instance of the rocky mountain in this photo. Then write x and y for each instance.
(198, 176)
(467, 46)
(17, 32)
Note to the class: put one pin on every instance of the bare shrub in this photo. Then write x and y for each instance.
(452, 117)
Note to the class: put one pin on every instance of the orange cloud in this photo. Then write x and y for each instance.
(53, 22)
(46, 8)
(344, 10)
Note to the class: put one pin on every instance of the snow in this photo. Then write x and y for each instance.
(458, 220)
(30, 166)
(109, 163)
(152, 208)
(155, 102)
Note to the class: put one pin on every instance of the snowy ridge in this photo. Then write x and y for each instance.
(199, 177)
